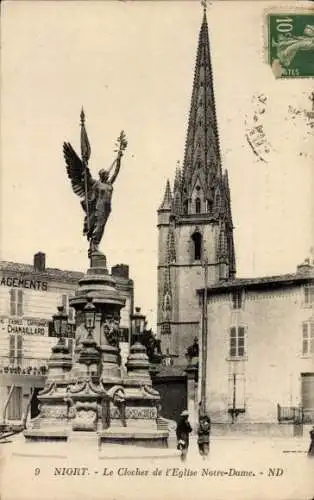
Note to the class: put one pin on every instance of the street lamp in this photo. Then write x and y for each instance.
(89, 354)
(89, 316)
(60, 324)
(137, 325)
(204, 336)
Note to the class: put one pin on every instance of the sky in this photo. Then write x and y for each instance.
(131, 64)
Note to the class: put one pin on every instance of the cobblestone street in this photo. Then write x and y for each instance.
(241, 468)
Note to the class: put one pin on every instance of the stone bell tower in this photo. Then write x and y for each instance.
(194, 218)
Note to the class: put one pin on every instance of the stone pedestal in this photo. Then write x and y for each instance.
(53, 420)
(140, 406)
(92, 399)
(98, 285)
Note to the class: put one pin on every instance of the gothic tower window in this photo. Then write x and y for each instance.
(197, 206)
(185, 207)
(218, 201)
(197, 240)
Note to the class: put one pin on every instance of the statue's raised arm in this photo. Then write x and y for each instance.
(122, 144)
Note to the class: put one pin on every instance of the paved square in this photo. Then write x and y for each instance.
(240, 468)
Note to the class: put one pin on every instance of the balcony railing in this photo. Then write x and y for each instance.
(308, 416)
(23, 366)
(295, 414)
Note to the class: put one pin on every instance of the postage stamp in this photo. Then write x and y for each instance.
(291, 44)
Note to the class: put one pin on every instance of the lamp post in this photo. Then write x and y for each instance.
(60, 324)
(89, 316)
(89, 354)
(204, 337)
(137, 326)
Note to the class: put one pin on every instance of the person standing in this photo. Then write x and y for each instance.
(311, 448)
(203, 433)
(183, 431)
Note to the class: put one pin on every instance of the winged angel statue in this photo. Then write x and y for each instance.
(95, 194)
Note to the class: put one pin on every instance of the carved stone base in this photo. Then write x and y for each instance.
(110, 371)
(134, 437)
(86, 415)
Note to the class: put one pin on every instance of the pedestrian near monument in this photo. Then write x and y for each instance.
(203, 433)
(311, 448)
(183, 431)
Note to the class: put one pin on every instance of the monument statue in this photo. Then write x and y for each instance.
(95, 194)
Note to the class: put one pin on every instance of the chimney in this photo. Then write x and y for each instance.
(120, 270)
(306, 268)
(39, 261)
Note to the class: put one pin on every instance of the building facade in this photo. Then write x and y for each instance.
(260, 349)
(256, 362)
(194, 219)
(29, 296)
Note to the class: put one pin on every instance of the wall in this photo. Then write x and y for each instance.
(25, 344)
(173, 396)
(186, 276)
(270, 371)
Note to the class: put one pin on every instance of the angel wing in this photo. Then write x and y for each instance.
(76, 171)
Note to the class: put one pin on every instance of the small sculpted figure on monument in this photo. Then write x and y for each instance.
(96, 194)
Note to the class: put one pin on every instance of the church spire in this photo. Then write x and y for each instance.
(202, 153)
(167, 201)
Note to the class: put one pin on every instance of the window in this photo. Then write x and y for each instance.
(15, 349)
(185, 207)
(197, 206)
(308, 294)
(16, 302)
(308, 337)
(237, 299)
(237, 342)
(197, 240)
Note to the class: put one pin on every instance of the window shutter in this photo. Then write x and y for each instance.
(230, 391)
(50, 329)
(20, 302)
(241, 341)
(305, 330)
(305, 340)
(12, 349)
(12, 302)
(19, 347)
(64, 301)
(233, 342)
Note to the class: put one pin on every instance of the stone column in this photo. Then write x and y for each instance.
(141, 398)
(101, 287)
